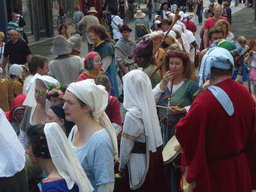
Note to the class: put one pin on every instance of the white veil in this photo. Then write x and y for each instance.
(64, 158)
(12, 154)
(139, 100)
(30, 99)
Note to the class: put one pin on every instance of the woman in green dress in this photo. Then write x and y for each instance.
(177, 87)
(105, 48)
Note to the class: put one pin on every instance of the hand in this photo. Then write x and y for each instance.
(178, 148)
(177, 110)
(239, 78)
(166, 78)
(206, 85)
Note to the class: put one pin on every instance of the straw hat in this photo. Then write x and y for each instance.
(61, 46)
(92, 10)
(77, 40)
(139, 14)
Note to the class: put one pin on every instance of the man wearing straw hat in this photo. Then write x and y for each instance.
(141, 24)
(90, 19)
(218, 133)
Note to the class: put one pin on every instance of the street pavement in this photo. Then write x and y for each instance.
(242, 24)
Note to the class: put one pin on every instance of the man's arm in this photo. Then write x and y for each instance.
(20, 36)
(205, 38)
(5, 59)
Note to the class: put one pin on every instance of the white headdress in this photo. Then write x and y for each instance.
(186, 45)
(12, 154)
(16, 70)
(97, 98)
(139, 100)
(64, 158)
(172, 34)
(30, 99)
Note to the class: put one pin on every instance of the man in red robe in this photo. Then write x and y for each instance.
(217, 135)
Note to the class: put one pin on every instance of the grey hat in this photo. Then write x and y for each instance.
(77, 40)
(16, 70)
(61, 46)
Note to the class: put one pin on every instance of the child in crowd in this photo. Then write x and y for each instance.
(243, 69)
(252, 57)
(243, 41)
(55, 94)
(227, 11)
(113, 108)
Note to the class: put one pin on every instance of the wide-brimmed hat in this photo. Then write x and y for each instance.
(77, 40)
(145, 48)
(125, 27)
(92, 10)
(61, 46)
(139, 14)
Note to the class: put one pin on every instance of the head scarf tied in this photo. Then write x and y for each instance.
(97, 98)
(12, 154)
(88, 60)
(222, 59)
(215, 57)
(64, 158)
(139, 100)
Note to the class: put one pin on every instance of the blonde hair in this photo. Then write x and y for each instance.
(241, 40)
(2, 34)
(223, 22)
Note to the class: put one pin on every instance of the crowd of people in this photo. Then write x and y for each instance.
(161, 113)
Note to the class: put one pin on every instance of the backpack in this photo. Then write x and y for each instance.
(22, 22)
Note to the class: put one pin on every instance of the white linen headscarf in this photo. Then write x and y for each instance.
(97, 98)
(64, 158)
(139, 100)
(186, 45)
(12, 154)
(172, 34)
(30, 99)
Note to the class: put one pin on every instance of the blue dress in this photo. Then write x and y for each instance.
(96, 158)
(58, 186)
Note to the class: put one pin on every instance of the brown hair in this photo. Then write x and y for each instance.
(189, 68)
(99, 30)
(104, 80)
(215, 29)
(226, 4)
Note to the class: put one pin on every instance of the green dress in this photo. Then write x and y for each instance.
(107, 49)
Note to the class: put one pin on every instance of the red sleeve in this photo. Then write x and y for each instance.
(113, 111)
(225, 18)
(250, 153)
(190, 132)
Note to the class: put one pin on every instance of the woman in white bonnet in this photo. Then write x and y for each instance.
(93, 138)
(37, 104)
